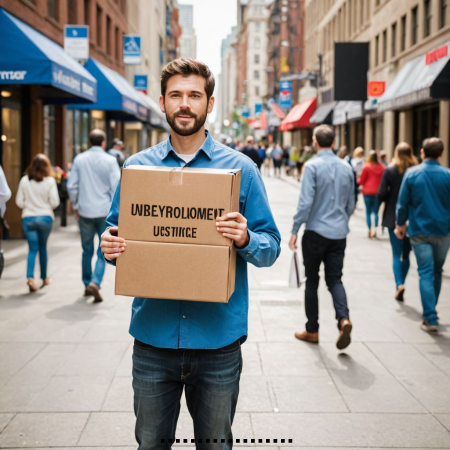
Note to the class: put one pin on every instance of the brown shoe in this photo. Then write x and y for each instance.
(344, 335)
(93, 290)
(31, 286)
(308, 337)
(400, 292)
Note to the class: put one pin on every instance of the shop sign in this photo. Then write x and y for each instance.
(376, 88)
(435, 55)
(258, 109)
(18, 75)
(76, 41)
(140, 82)
(285, 94)
(132, 49)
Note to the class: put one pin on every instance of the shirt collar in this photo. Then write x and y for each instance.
(431, 161)
(207, 146)
(325, 152)
(96, 148)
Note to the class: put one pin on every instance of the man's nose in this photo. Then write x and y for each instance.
(185, 102)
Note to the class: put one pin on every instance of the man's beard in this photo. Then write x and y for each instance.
(186, 130)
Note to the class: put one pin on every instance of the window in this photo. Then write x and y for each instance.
(72, 11)
(257, 10)
(108, 36)
(443, 9)
(257, 91)
(414, 25)
(118, 45)
(377, 49)
(394, 40)
(403, 42)
(257, 43)
(257, 26)
(427, 16)
(384, 45)
(256, 74)
(99, 26)
(257, 59)
(87, 7)
(52, 6)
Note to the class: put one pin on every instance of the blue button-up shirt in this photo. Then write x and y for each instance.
(92, 182)
(327, 198)
(202, 325)
(424, 199)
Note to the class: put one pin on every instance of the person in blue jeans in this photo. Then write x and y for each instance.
(91, 186)
(388, 193)
(424, 200)
(37, 196)
(195, 346)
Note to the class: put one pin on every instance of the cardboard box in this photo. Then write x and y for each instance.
(168, 218)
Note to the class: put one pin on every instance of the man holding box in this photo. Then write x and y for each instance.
(190, 344)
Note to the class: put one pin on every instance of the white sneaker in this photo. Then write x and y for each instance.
(427, 327)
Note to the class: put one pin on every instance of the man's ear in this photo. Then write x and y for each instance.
(211, 104)
(161, 104)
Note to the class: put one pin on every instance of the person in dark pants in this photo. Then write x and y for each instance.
(388, 193)
(326, 203)
(91, 186)
(251, 151)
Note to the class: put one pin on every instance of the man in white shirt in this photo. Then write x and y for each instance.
(91, 186)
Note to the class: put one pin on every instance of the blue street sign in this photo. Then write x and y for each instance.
(76, 41)
(258, 109)
(285, 94)
(132, 49)
(140, 82)
(245, 111)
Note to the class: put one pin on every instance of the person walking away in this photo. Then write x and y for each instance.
(285, 159)
(424, 200)
(251, 151)
(306, 155)
(262, 155)
(383, 158)
(326, 203)
(370, 180)
(37, 196)
(117, 151)
(294, 156)
(343, 152)
(203, 337)
(357, 163)
(388, 193)
(277, 158)
(93, 180)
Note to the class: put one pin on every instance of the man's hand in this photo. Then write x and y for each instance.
(234, 226)
(77, 216)
(112, 246)
(400, 231)
(293, 242)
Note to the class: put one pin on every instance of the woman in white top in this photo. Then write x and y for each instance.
(38, 197)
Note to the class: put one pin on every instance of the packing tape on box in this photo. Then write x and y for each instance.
(176, 175)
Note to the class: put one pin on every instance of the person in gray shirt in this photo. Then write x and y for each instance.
(326, 203)
(91, 186)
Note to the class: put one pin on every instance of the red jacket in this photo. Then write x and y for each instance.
(370, 178)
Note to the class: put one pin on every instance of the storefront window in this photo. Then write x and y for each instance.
(377, 133)
(426, 124)
(98, 120)
(50, 132)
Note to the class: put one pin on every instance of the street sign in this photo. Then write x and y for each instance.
(258, 109)
(140, 82)
(245, 111)
(285, 94)
(76, 41)
(131, 49)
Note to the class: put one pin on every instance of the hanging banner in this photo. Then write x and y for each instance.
(132, 49)
(285, 94)
(140, 82)
(258, 109)
(76, 41)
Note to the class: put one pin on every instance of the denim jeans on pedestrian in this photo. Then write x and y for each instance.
(372, 207)
(37, 230)
(211, 382)
(88, 229)
(430, 252)
(400, 253)
(317, 249)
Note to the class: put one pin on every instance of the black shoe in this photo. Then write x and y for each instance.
(399, 294)
(94, 291)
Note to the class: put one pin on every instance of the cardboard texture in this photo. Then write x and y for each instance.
(168, 218)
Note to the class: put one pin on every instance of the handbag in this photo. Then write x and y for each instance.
(296, 272)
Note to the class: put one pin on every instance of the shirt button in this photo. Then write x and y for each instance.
(184, 317)
(249, 254)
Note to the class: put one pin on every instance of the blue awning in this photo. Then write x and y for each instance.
(29, 57)
(115, 93)
(156, 118)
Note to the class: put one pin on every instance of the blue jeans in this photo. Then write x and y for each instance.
(211, 382)
(400, 252)
(88, 229)
(372, 207)
(430, 252)
(37, 230)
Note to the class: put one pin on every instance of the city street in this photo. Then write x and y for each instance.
(65, 363)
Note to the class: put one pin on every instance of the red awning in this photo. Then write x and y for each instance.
(275, 108)
(263, 120)
(299, 116)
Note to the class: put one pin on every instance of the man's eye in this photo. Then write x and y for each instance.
(196, 96)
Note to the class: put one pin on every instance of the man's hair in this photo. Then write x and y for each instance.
(433, 147)
(324, 135)
(97, 137)
(186, 67)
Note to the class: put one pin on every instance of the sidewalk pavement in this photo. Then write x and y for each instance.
(65, 363)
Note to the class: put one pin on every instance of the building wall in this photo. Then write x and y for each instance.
(188, 43)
